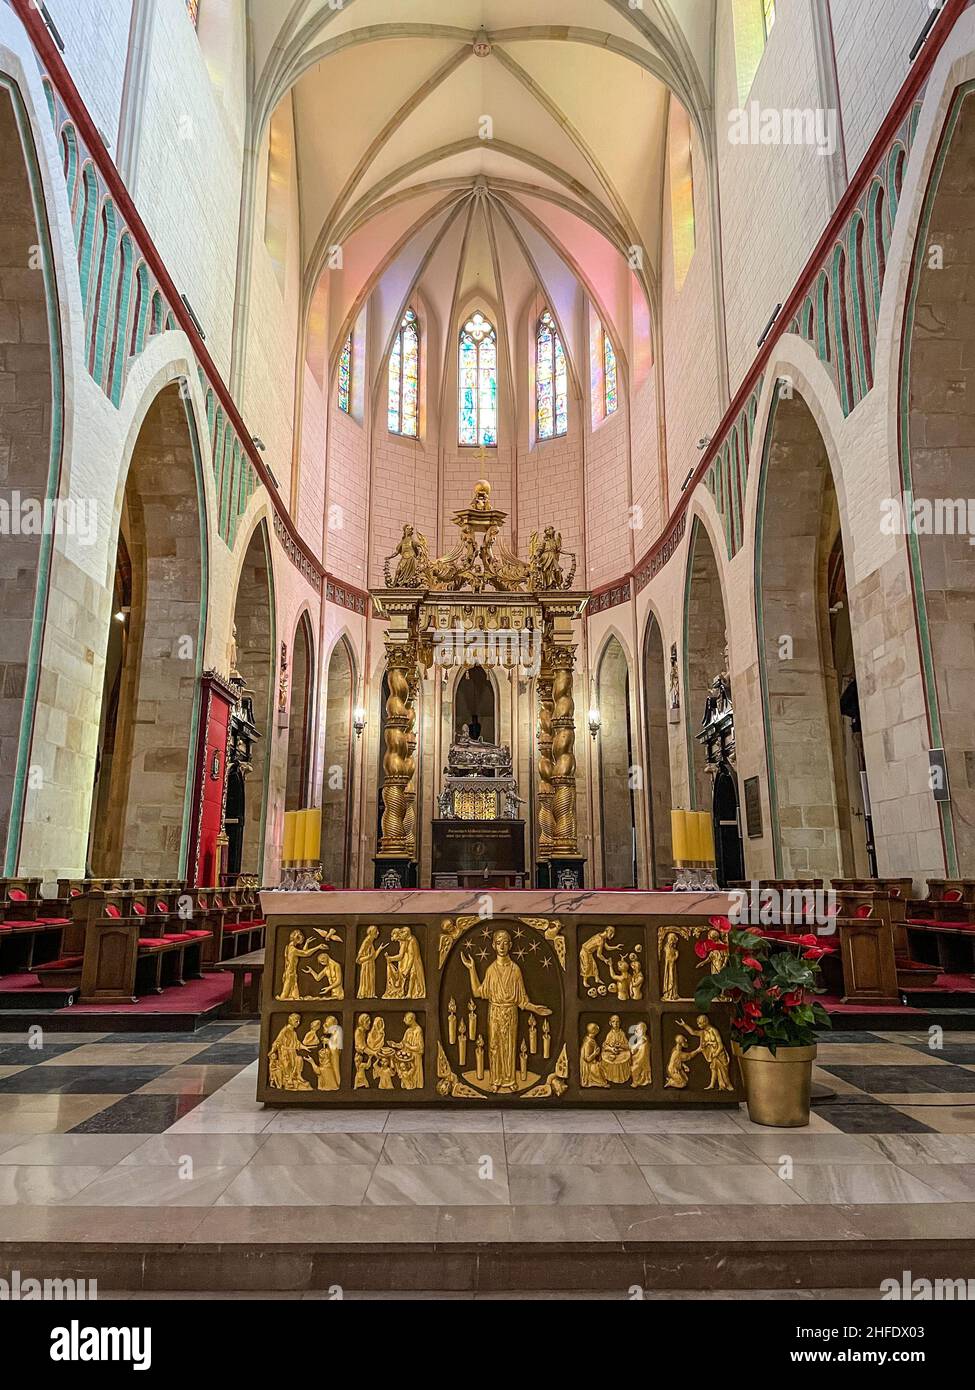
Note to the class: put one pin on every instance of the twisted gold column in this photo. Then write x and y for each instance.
(564, 834)
(545, 766)
(398, 824)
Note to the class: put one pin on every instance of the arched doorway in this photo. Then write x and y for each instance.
(152, 655)
(658, 794)
(474, 706)
(28, 370)
(615, 753)
(337, 778)
(254, 640)
(804, 632)
(706, 657)
(938, 386)
(299, 716)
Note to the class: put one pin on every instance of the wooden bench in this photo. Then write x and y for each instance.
(129, 945)
(248, 974)
(31, 927)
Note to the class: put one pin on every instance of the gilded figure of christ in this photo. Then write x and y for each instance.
(504, 989)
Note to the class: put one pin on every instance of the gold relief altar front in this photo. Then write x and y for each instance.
(514, 1010)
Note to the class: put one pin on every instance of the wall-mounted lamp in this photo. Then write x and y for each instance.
(359, 719)
(595, 718)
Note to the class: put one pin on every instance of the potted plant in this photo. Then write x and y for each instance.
(770, 985)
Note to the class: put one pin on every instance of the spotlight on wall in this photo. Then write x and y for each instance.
(770, 325)
(258, 443)
(922, 38)
(703, 442)
(52, 27)
(193, 315)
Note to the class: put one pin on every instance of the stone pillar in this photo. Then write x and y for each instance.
(396, 860)
(545, 770)
(565, 861)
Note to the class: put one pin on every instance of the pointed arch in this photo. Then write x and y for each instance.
(658, 699)
(617, 808)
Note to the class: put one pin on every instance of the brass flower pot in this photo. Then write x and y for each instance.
(777, 1086)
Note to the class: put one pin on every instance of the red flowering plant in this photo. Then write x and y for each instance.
(770, 985)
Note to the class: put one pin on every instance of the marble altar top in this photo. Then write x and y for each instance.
(504, 902)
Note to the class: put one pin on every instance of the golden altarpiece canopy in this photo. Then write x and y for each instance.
(480, 605)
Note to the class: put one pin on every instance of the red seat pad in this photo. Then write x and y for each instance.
(934, 922)
(139, 908)
(152, 941)
(178, 936)
(54, 921)
(200, 934)
(17, 895)
(67, 963)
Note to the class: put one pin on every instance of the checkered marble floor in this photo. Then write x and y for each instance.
(158, 1136)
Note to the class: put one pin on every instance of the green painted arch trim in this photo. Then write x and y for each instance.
(773, 792)
(46, 548)
(197, 452)
(904, 445)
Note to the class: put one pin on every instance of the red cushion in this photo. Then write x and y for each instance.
(67, 963)
(17, 895)
(952, 895)
(152, 941)
(178, 936)
(54, 921)
(195, 933)
(161, 906)
(112, 911)
(75, 892)
(139, 908)
(864, 910)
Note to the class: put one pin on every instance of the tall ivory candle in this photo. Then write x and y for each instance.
(313, 835)
(290, 826)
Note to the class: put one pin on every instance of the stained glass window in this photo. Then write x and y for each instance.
(477, 371)
(604, 377)
(345, 377)
(403, 411)
(193, 10)
(551, 381)
(768, 11)
(609, 374)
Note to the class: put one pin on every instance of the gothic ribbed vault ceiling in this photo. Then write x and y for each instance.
(390, 100)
